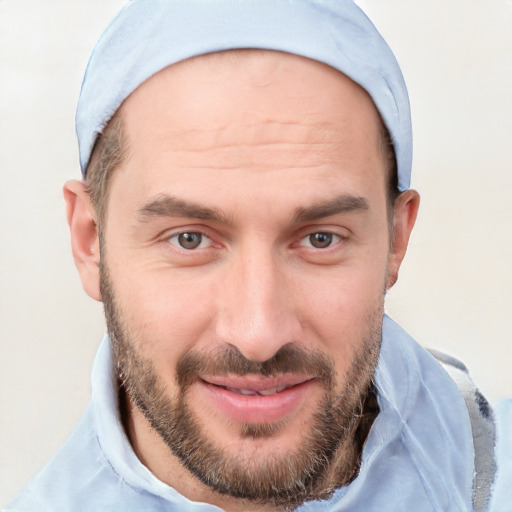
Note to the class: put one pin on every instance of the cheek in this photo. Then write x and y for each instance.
(166, 313)
(343, 307)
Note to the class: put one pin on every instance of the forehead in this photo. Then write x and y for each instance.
(246, 87)
(249, 110)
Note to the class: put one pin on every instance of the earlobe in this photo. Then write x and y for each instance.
(84, 236)
(404, 217)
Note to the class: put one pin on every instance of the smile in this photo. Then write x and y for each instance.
(257, 399)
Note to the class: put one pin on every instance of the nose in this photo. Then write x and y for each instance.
(256, 311)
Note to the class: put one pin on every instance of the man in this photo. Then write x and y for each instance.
(244, 210)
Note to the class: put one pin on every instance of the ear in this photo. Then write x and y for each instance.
(84, 236)
(404, 217)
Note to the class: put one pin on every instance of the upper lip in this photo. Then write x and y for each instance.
(256, 382)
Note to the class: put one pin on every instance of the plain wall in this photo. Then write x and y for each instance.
(454, 292)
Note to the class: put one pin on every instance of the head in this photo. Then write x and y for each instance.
(238, 225)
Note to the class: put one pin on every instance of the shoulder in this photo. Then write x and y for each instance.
(502, 492)
(67, 477)
(483, 429)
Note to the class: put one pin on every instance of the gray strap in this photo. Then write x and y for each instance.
(483, 428)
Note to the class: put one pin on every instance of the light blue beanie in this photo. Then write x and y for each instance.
(149, 35)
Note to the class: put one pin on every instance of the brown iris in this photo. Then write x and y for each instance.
(190, 240)
(320, 240)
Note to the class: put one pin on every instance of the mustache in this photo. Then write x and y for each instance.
(229, 360)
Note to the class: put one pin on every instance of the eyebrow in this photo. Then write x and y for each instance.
(169, 206)
(342, 204)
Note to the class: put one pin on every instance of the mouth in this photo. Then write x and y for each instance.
(252, 385)
(257, 399)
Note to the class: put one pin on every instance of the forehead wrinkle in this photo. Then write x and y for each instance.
(260, 162)
(266, 150)
(257, 133)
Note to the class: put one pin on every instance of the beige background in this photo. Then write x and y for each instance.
(455, 288)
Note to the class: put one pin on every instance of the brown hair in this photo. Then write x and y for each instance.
(108, 153)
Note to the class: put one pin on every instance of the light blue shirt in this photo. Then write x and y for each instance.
(502, 493)
(418, 456)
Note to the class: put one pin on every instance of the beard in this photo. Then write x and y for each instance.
(329, 452)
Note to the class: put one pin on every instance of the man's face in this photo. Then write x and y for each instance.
(245, 259)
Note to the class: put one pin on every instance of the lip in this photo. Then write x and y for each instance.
(256, 408)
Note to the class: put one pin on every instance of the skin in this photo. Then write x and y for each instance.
(258, 143)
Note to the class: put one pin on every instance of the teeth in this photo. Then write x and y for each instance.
(266, 392)
(263, 392)
(242, 391)
(247, 392)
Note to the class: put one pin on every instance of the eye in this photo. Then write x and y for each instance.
(190, 240)
(320, 240)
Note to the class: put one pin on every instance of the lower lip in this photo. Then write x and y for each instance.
(257, 408)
